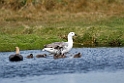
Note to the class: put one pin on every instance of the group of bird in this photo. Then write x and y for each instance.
(58, 49)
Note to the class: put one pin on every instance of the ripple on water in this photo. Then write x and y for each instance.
(93, 59)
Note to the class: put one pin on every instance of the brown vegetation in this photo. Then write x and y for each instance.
(58, 10)
(27, 23)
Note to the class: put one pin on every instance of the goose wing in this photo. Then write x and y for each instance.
(57, 45)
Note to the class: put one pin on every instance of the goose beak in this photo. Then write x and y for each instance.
(75, 34)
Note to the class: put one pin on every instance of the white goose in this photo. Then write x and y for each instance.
(60, 47)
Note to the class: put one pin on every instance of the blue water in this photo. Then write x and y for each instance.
(95, 62)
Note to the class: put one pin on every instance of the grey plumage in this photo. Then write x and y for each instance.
(60, 47)
(56, 45)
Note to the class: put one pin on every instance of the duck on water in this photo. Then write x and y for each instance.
(41, 55)
(30, 56)
(78, 55)
(16, 56)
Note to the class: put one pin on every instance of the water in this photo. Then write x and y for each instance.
(97, 65)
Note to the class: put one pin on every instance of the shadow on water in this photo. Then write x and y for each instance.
(93, 59)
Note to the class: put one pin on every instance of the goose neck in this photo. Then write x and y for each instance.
(17, 51)
(70, 39)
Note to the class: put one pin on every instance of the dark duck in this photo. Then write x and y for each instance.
(17, 56)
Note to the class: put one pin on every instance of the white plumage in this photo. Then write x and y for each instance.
(60, 47)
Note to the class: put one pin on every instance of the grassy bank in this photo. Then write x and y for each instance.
(108, 32)
(97, 23)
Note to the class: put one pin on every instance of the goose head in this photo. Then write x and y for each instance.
(71, 34)
(17, 50)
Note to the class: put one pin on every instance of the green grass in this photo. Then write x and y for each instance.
(105, 32)
(30, 41)
(32, 25)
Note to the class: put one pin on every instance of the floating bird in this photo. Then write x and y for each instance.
(17, 56)
(60, 47)
(57, 56)
(78, 55)
(41, 55)
(30, 56)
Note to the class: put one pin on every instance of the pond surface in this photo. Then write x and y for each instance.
(97, 65)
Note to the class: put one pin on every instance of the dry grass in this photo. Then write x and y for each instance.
(58, 10)
(95, 21)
